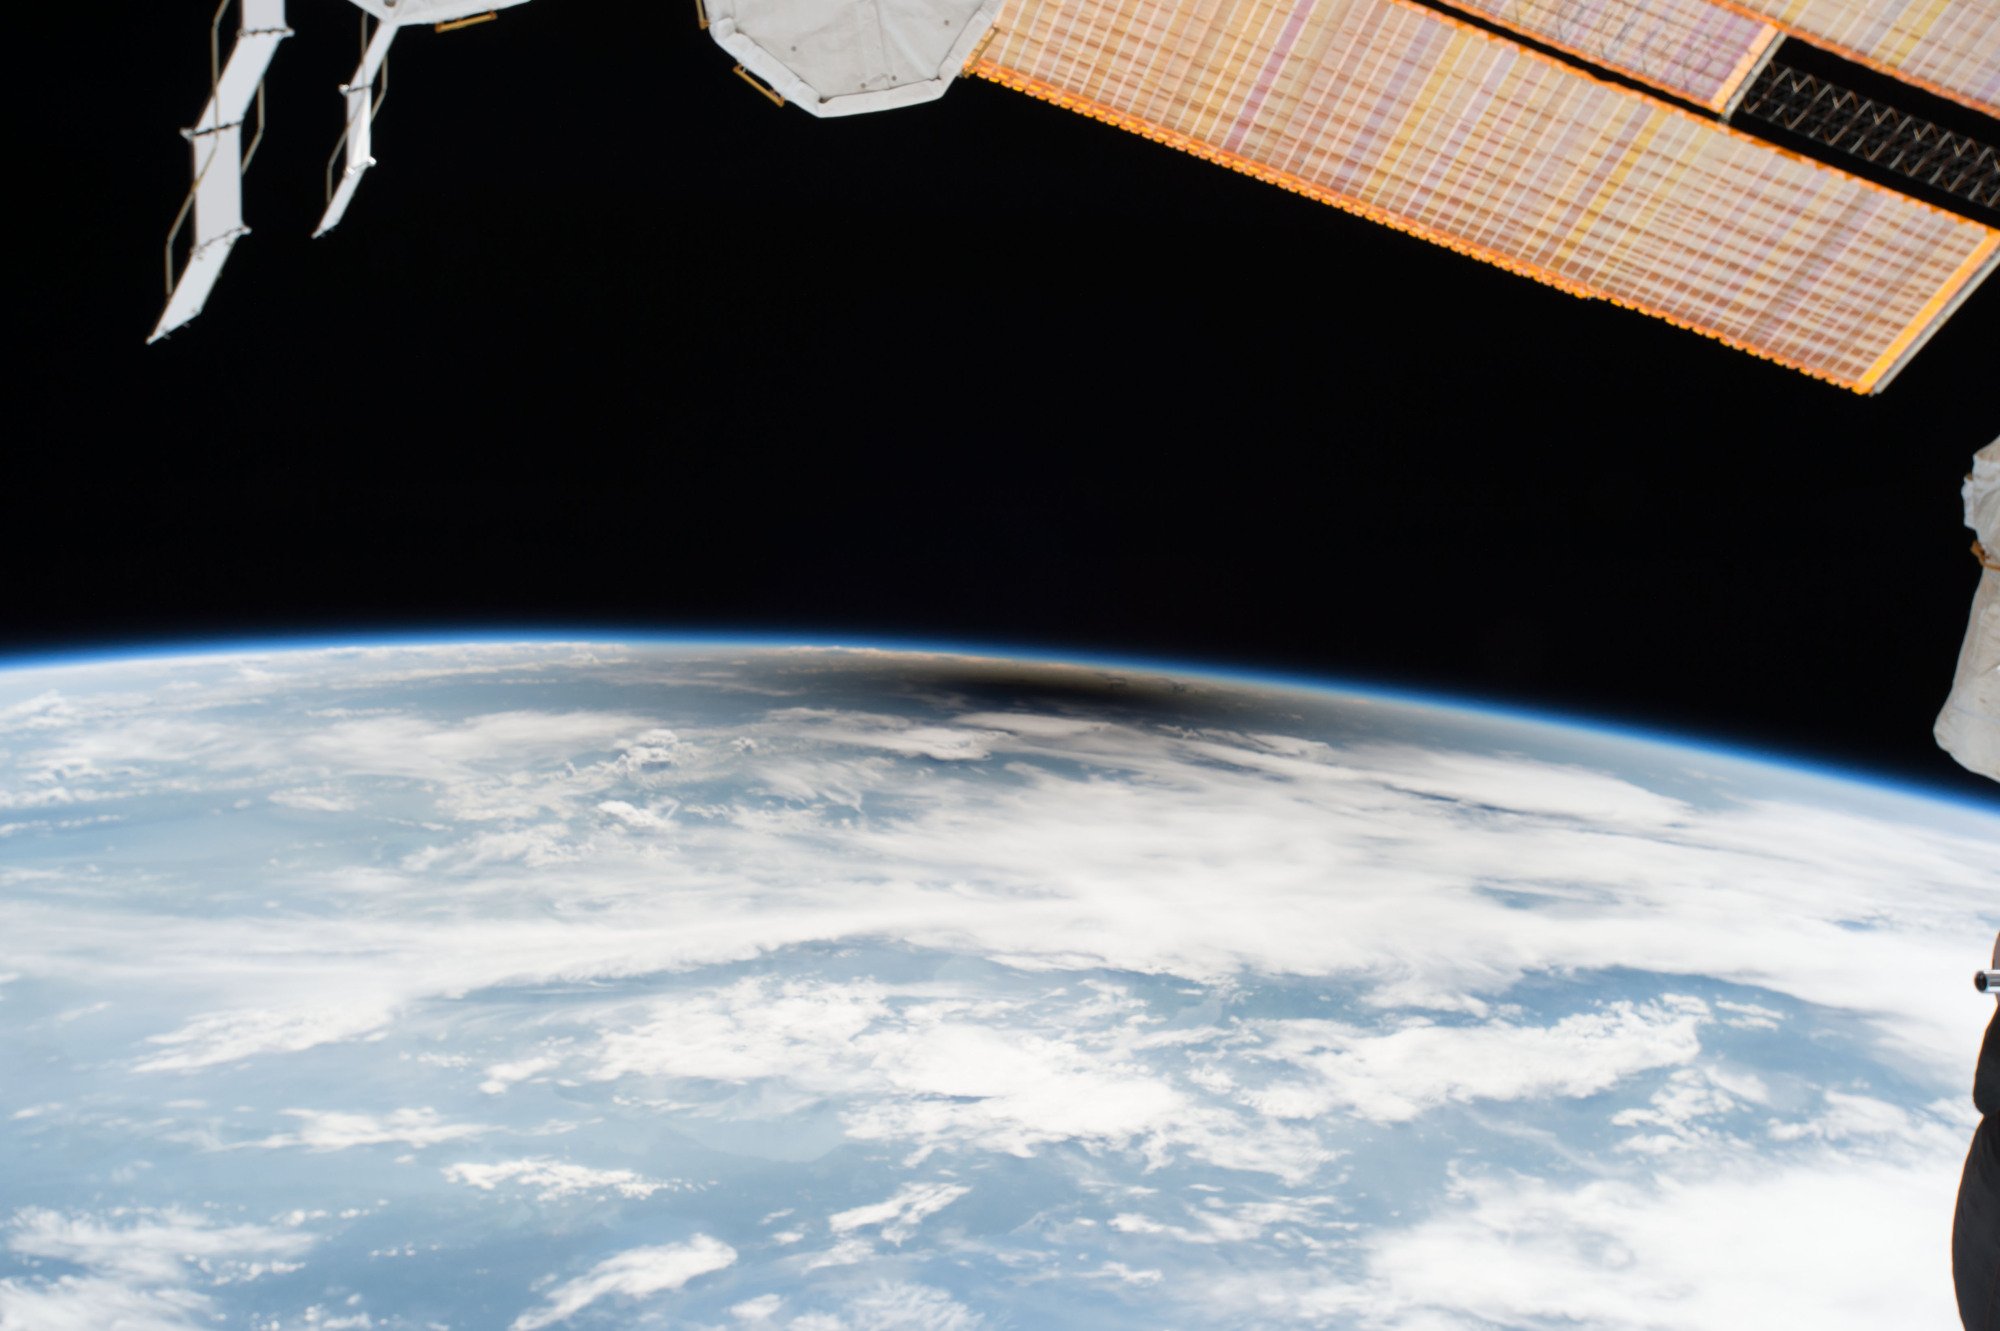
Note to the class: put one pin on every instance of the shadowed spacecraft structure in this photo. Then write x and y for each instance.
(1707, 162)
(1975, 1232)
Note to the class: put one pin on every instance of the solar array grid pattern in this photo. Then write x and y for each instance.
(1691, 48)
(1438, 128)
(1951, 47)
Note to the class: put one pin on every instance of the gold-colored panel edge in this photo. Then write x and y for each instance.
(1270, 175)
(1975, 266)
(1715, 102)
(1811, 38)
(1752, 58)
(993, 72)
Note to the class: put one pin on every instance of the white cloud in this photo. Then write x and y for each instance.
(900, 1215)
(315, 801)
(964, 1084)
(633, 1274)
(646, 820)
(746, 1030)
(141, 1267)
(1395, 1077)
(1528, 786)
(317, 1318)
(153, 1246)
(931, 1075)
(48, 825)
(1363, 865)
(45, 798)
(758, 1310)
(847, 1252)
(1681, 1106)
(229, 1037)
(535, 847)
(1864, 1121)
(48, 710)
(1827, 1242)
(1748, 1016)
(95, 1303)
(144, 748)
(332, 1130)
(893, 734)
(1223, 1223)
(1377, 873)
(449, 753)
(904, 1306)
(1033, 725)
(499, 1076)
(554, 1179)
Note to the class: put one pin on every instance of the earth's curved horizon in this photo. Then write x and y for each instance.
(579, 983)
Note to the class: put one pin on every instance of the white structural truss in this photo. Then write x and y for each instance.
(828, 57)
(216, 198)
(353, 153)
(236, 87)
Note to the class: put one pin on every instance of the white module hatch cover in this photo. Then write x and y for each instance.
(1969, 726)
(843, 57)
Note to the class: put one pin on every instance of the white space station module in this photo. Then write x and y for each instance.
(1969, 726)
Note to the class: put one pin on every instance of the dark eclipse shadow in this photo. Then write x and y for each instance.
(1007, 685)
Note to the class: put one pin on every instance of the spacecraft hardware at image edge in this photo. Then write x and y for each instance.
(1686, 159)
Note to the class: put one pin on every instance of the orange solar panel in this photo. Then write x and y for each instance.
(1693, 49)
(1435, 127)
(1951, 47)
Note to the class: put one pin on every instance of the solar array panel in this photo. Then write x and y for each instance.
(1440, 129)
(1693, 49)
(1951, 47)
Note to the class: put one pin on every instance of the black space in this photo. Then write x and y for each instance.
(608, 342)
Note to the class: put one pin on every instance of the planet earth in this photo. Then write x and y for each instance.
(539, 984)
